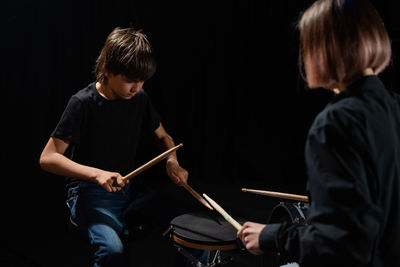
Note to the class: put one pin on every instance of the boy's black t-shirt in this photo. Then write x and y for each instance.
(105, 133)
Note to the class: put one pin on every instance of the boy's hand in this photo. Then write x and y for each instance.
(176, 172)
(110, 181)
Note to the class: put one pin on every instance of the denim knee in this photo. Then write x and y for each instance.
(115, 249)
(109, 248)
(110, 255)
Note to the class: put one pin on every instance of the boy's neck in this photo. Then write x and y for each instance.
(102, 89)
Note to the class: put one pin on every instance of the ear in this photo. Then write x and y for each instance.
(108, 74)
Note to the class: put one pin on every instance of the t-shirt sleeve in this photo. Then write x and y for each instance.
(69, 126)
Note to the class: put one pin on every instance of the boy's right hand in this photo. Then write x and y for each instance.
(110, 181)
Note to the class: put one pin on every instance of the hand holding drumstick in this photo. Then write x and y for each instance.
(152, 162)
(177, 174)
(249, 234)
(180, 176)
(174, 171)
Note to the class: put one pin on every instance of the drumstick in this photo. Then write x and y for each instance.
(196, 195)
(277, 194)
(223, 213)
(151, 162)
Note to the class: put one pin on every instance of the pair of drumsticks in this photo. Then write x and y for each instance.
(209, 201)
(158, 159)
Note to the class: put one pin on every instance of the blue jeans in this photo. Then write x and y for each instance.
(98, 215)
(105, 219)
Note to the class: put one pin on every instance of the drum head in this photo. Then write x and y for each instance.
(205, 230)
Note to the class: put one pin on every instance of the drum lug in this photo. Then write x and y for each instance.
(169, 231)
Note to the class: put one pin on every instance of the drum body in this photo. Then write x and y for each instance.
(204, 230)
(295, 213)
(289, 212)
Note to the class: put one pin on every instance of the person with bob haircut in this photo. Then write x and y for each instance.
(96, 140)
(352, 150)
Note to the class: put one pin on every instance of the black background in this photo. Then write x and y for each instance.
(227, 87)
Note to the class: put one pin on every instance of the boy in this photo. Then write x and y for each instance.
(101, 126)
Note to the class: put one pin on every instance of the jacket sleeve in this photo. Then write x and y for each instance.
(343, 218)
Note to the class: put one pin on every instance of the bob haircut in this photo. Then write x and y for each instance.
(339, 39)
(127, 52)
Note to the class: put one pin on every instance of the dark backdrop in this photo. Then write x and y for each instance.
(227, 87)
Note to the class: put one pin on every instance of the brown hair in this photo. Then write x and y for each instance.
(342, 38)
(127, 52)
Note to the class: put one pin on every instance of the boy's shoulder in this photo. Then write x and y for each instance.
(86, 93)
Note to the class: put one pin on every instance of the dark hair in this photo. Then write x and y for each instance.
(127, 52)
(342, 38)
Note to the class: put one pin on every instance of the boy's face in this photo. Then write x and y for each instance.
(119, 86)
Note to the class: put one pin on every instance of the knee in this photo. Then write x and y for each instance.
(113, 250)
(110, 245)
(109, 253)
(106, 243)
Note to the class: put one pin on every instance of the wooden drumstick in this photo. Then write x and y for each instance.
(151, 162)
(223, 213)
(277, 194)
(196, 195)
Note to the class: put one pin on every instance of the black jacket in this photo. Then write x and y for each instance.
(353, 162)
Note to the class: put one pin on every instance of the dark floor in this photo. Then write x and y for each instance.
(36, 231)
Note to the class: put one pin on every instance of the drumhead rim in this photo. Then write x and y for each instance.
(293, 210)
(182, 236)
(203, 246)
(189, 236)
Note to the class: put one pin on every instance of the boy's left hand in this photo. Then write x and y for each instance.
(176, 172)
